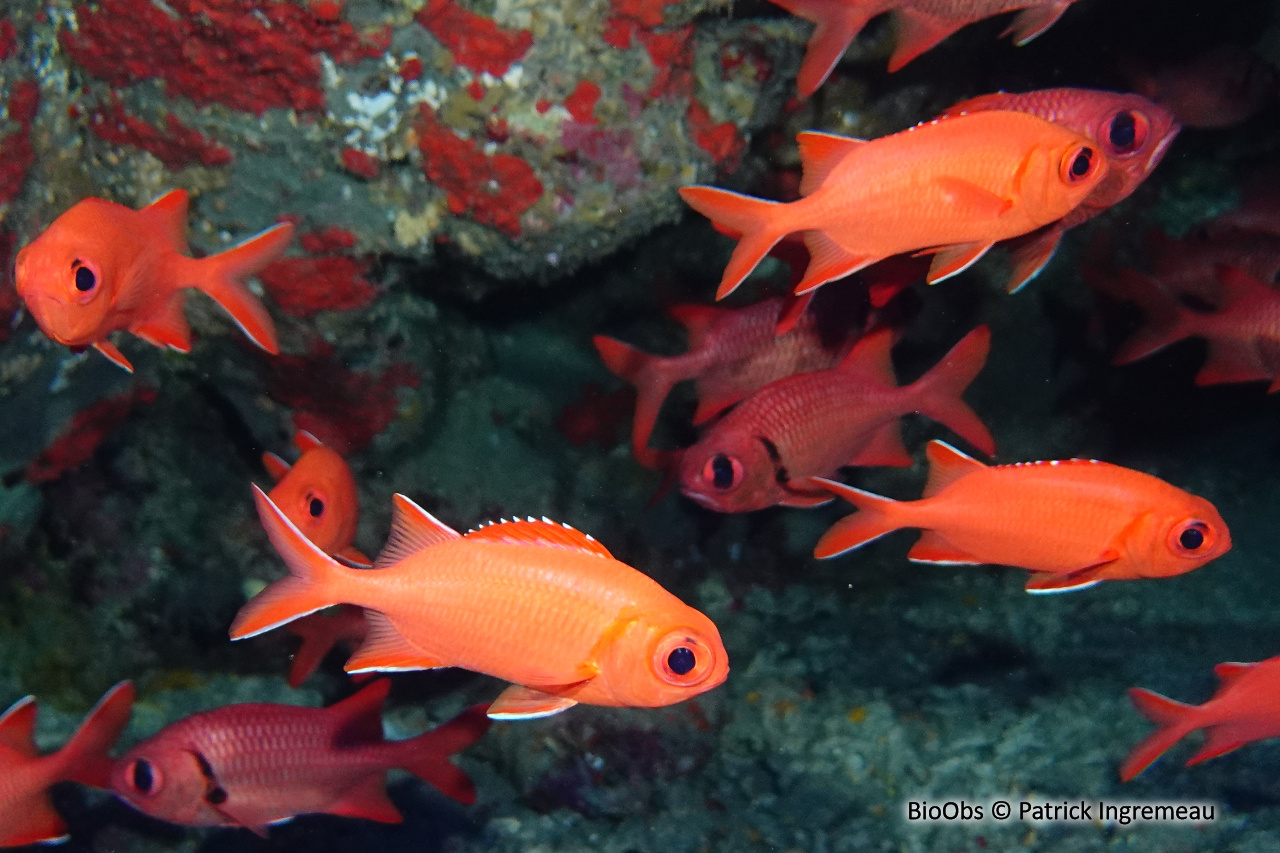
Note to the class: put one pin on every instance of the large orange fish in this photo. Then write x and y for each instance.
(26, 814)
(1246, 707)
(954, 187)
(319, 495)
(532, 602)
(102, 267)
(1074, 523)
(921, 24)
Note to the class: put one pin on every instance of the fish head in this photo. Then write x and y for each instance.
(165, 780)
(318, 494)
(1060, 173)
(729, 471)
(664, 657)
(70, 274)
(1130, 130)
(1178, 538)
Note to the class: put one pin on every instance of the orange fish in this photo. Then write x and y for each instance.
(954, 187)
(318, 494)
(921, 24)
(1074, 523)
(535, 603)
(26, 815)
(101, 267)
(1245, 708)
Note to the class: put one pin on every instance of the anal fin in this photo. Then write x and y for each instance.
(386, 650)
(1045, 583)
(367, 799)
(524, 703)
(933, 548)
(828, 262)
(1030, 255)
(167, 327)
(884, 449)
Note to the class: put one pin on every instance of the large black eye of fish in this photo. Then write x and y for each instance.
(142, 777)
(723, 472)
(1191, 538)
(315, 506)
(1127, 132)
(85, 278)
(1081, 165)
(681, 660)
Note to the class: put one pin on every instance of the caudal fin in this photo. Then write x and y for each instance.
(940, 389)
(427, 755)
(1166, 319)
(875, 517)
(838, 22)
(645, 372)
(222, 278)
(306, 590)
(755, 219)
(1172, 717)
(84, 758)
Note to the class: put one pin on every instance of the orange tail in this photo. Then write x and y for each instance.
(84, 757)
(837, 25)
(306, 590)
(756, 219)
(941, 387)
(222, 277)
(1174, 720)
(875, 517)
(427, 755)
(644, 371)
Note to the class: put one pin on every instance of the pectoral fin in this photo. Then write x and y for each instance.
(109, 349)
(1043, 583)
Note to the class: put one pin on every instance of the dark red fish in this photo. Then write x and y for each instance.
(1220, 88)
(257, 764)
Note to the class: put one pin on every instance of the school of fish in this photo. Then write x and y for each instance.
(786, 399)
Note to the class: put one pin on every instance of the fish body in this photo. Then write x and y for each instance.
(1189, 267)
(1073, 523)
(732, 353)
(101, 267)
(1245, 708)
(1223, 87)
(953, 187)
(534, 603)
(921, 24)
(764, 452)
(1131, 131)
(26, 814)
(319, 495)
(253, 765)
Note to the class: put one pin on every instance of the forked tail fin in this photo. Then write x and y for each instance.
(427, 755)
(940, 390)
(222, 277)
(646, 373)
(755, 219)
(875, 517)
(84, 757)
(1172, 718)
(837, 23)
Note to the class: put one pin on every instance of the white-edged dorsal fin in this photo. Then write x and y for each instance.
(412, 530)
(543, 532)
(1230, 671)
(276, 467)
(946, 465)
(305, 441)
(820, 153)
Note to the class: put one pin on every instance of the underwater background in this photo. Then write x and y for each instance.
(479, 188)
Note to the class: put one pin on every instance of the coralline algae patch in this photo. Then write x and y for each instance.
(531, 137)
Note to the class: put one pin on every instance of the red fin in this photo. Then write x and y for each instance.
(18, 727)
(1174, 720)
(525, 703)
(360, 715)
(946, 465)
(874, 518)
(1232, 361)
(222, 276)
(1229, 672)
(1222, 739)
(1049, 583)
(167, 327)
(871, 358)
(276, 467)
(540, 532)
(386, 650)
(1033, 21)
(168, 215)
(1031, 255)
(933, 548)
(828, 262)
(84, 758)
(367, 799)
(697, 321)
(413, 529)
(38, 823)
(837, 23)
(427, 755)
(885, 449)
(954, 260)
(320, 632)
(820, 153)
(305, 441)
(304, 591)
(709, 407)
(755, 219)
(353, 557)
(1165, 317)
(109, 349)
(917, 33)
(940, 389)
(792, 312)
(648, 373)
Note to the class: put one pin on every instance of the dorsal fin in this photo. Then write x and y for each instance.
(946, 465)
(872, 358)
(1230, 671)
(1236, 284)
(276, 467)
(305, 441)
(820, 153)
(18, 726)
(697, 319)
(412, 530)
(361, 715)
(546, 532)
(169, 213)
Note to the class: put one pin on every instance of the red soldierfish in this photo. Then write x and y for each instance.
(952, 187)
(1223, 87)
(319, 495)
(764, 451)
(921, 24)
(1074, 523)
(1245, 708)
(732, 353)
(256, 764)
(101, 267)
(1132, 132)
(26, 815)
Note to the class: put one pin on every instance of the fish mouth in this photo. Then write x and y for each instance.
(705, 500)
(45, 309)
(1160, 149)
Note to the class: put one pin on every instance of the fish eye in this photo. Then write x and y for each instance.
(1191, 538)
(142, 777)
(315, 505)
(680, 658)
(1079, 164)
(1127, 132)
(86, 279)
(723, 472)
